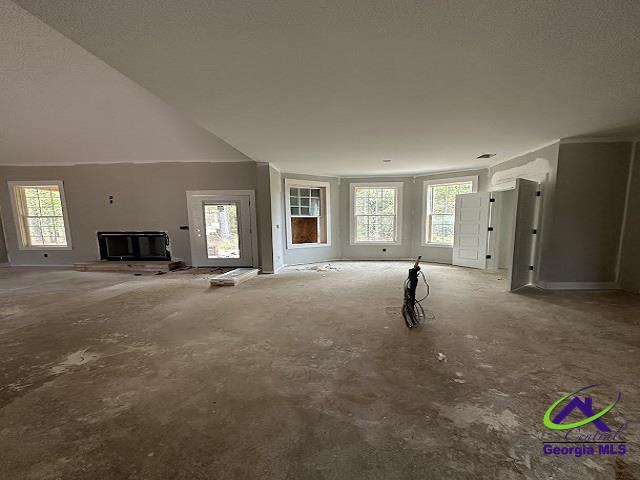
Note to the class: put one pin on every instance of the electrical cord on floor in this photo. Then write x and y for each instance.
(412, 310)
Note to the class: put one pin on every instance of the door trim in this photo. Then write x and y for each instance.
(252, 213)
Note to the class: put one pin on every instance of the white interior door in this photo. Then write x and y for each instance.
(520, 273)
(471, 230)
(220, 229)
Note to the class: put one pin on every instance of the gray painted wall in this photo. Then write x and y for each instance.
(630, 261)
(411, 245)
(270, 217)
(277, 218)
(548, 185)
(587, 215)
(579, 234)
(147, 197)
(375, 252)
(293, 256)
(582, 207)
(431, 253)
(263, 213)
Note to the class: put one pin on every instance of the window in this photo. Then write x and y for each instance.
(440, 205)
(40, 214)
(376, 212)
(305, 202)
(308, 218)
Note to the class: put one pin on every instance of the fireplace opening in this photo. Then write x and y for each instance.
(134, 246)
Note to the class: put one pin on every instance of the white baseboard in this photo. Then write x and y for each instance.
(377, 259)
(578, 285)
(362, 260)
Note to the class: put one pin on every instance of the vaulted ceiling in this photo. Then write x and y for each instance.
(335, 87)
(61, 105)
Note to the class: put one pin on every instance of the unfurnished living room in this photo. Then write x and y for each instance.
(308, 239)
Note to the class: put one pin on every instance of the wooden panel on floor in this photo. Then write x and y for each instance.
(128, 266)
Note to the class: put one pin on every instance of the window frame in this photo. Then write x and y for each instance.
(424, 241)
(21, 231)
(325, 213)
(399, 187)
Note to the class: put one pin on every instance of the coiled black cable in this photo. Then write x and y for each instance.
(412, 310)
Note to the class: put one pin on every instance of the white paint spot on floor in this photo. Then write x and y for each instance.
(465, 414)
(323, 342)
(77, 358)
(319, 268)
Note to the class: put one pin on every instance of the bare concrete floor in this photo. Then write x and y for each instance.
(303, 375)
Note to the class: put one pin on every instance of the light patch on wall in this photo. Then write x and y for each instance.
(536, 170)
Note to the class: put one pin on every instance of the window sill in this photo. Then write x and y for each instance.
(295, 246)
(375, 243)
(438, 245)
(45, 247)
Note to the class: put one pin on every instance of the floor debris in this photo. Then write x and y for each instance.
(319, 268)
(228, 357)
(234, 277)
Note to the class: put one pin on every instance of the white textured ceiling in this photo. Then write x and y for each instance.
(61, 105)
(337, 86)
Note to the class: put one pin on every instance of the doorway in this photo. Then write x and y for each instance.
(498, 230)
(513, 232)
(222, 228)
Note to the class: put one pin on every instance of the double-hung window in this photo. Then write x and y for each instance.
(439, 208)
(307, 213)
(40, 214)
(376, 213)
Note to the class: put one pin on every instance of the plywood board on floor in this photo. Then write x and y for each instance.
(128, 266)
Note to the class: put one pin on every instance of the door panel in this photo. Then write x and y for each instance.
(220, 230)
(470, 230)
(523, 237)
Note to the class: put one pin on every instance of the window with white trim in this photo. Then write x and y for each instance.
(40, 214)
(376, 212)
(308, 218)
(440, 209)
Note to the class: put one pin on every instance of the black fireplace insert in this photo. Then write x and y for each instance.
(134, 246)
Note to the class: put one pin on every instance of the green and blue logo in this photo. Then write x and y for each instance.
(578, 441)
(585, 406)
